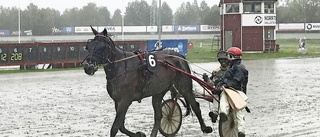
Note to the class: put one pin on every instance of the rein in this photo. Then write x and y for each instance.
(109, 65)
(107, 39)
(119, 60)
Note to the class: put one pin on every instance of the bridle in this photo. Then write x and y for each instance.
(107, 57)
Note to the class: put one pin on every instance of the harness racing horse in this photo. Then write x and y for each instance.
(128, 79)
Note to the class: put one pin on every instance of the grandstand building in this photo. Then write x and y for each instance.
(248, 24)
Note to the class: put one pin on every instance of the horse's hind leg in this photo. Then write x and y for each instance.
(126, 131)
(196, 109)
(186, 92)
(121, 109)
(156, 103)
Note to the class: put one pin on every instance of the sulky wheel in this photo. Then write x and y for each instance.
(229, 128)
(171, 118)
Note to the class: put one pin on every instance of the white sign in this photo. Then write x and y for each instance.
(312, 26)
(83, 29)
(134, 29)
(209, 28)
(167, 28)
(110, 28)
(259, 19)
(152, 28)
(290, 26)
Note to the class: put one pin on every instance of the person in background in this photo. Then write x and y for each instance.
(215, 78)
(235, 77)
(302, 43)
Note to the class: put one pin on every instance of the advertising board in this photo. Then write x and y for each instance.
(180, 46)
(259, 19)
(110, 28)
(290, 26)
(205, 28)
(152, 28)
(312, 26)
(186, 28)
(4, 33)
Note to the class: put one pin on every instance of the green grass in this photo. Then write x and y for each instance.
(288, 49)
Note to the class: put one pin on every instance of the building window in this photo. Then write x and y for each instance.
(252, 7)
(232, 8)
(269, 34)
(268, 7)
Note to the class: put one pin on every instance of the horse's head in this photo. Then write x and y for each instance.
(100, 51)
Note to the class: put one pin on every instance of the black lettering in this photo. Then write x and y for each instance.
(316, 26)
(270, 17)
(111, 28)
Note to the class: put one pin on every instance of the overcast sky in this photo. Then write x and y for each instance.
(112, 5)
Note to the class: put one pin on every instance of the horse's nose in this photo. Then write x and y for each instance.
(85, 65)
(88, 68)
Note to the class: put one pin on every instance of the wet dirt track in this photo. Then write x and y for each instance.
(283, 97)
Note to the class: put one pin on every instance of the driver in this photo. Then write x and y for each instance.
(235, 77)
(215, 78)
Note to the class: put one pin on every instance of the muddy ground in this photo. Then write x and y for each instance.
(284, 95)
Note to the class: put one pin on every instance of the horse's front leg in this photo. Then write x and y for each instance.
(156, 103)
(118, 124)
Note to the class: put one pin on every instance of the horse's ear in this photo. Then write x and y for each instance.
(105, 32)
(95, 32)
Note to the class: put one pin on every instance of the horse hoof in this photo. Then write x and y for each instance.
(140, 134)
(207, 130)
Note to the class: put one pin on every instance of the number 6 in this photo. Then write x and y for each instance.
(152, 61)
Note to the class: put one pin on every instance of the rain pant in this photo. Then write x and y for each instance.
(224, 108)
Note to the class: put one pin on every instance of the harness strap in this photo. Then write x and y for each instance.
(141, 57)
(202, 83)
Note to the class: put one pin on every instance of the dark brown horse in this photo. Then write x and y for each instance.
(128, 79)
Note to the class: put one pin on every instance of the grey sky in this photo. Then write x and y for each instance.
(112, 5)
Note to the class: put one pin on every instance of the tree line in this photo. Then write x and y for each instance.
(42, 20)
(298, 11)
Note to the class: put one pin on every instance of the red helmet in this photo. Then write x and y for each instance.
(235, 53)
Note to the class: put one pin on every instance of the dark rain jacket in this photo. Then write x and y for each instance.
(235, 77)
